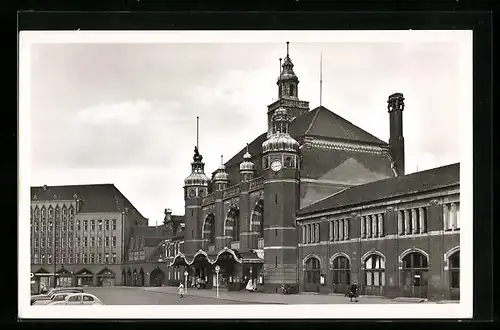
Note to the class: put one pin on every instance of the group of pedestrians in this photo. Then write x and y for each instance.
(353, 292)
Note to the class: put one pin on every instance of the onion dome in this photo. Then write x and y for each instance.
(246, 164)
(287, 68)
(197, 176)
(221, 174)
(280, 140)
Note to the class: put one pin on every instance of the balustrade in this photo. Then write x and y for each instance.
(257, 183)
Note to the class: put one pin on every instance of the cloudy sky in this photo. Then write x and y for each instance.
(125, 113)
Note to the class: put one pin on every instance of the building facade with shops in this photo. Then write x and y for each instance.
(79, 234)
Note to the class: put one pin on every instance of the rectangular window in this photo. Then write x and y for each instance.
(106, 258)
(85, 225)
(92, 258)
(113, 223)
(100, 225)
(114, 258)
(49, 259)
(114, 241)
(92, 225)
(78, 227)
(78, 241)
(85, 241)
(70, 259)
(99, 240)
(84, 258)
(106, 224)
(92, 241)
(106, 241)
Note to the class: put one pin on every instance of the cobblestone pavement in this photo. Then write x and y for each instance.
(139, 296)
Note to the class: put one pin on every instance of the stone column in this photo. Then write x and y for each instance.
(330, 229)
(380, 225)
(400, 222)
(368, 226)
(407, 221)
(446, 219)
(304, 234)
(341, 230)
(362, 218)
(414, 221)
(335, 230)
(374, 225)
(421, 218)
(318, 239)
(346, 229)
(458, 216)
(453, 216)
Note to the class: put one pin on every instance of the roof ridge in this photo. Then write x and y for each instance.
(313, 120)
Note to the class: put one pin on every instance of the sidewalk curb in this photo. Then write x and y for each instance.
(215, 298)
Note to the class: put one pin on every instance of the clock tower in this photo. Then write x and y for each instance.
(280, 166)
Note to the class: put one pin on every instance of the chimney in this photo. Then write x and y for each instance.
(395, 105)
(168, 216)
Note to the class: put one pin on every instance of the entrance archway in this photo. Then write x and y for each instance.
(157, 277)
(124, 277)
(84, 278)
(202, 270)
(141, 278)
(129, 278)
(226, 260)
(106, 277)
(312, 274)
(135, 278)
(341, 273)
(414, 274)
(63, 278)
(454, 275)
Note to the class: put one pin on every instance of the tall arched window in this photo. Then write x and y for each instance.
(236, 224)
(292, 90)
(341, 274)
(374, 266)
(415, 269)
(312, 274)
(454, 275)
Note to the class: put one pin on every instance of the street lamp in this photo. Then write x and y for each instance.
(186, 280)
(217, 269)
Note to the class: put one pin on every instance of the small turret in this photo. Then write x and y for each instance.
(247, 167)
(221, 178)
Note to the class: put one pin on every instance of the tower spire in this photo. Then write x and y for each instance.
(287, 48)
(222, 159)
(280, 64)
(197, 131)
(321, 79)
(247, 147)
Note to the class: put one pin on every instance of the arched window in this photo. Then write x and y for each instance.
(341, 274)
(454, 275)
(236, 224)
(292, 90)
(415, 267)
(374, 274)
(312, 274)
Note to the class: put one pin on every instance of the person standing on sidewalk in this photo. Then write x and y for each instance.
(181, 290)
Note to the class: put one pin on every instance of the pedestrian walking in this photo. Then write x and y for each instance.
(353, 292)
(181, 290)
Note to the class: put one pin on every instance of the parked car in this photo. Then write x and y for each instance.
(53, 291)
(79, 299)
(57, 296)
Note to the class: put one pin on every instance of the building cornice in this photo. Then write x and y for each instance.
(345, 145)
(407, 198)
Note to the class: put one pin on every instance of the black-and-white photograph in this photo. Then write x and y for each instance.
(273, 169)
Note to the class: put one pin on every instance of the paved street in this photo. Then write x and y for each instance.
(168, 296)
(139, 296)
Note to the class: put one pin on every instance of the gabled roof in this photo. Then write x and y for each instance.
(96, 198)
(319, 122)
(432, 179)
(322, 122)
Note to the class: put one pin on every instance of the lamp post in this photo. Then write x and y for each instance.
(54, 278)
(217, 269)
(186, 280)
(106, 256)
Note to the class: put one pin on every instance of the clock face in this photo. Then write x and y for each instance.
(276, 166)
